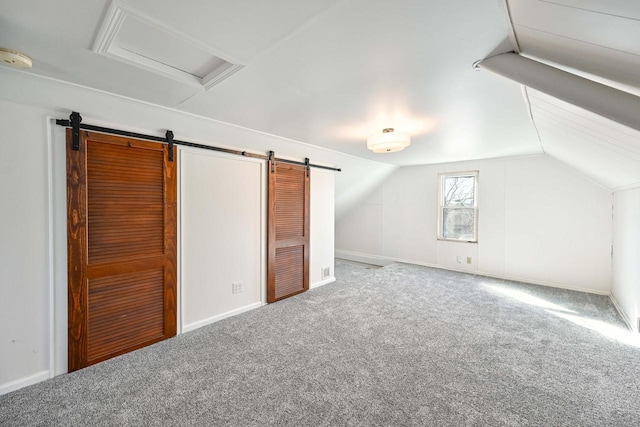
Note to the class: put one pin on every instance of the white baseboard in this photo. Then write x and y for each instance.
(322, 282)
(364, 258)
(385, 260)
(622, 313)
(193, 326)
(23, 382)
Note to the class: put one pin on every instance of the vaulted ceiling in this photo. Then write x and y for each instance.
(596, 39)
(332, 72)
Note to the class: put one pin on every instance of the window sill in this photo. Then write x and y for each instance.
(457, 241)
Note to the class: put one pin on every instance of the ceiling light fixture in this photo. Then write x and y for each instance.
(388, 141)
(15, 58)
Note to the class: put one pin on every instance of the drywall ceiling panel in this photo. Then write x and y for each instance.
(59, 35)
(324, 72)
(599, 148)
(367, 65)
(240, 29)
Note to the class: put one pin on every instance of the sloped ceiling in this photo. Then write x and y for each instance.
(598, 40)
(594, 38)
(331, 72)
(599, 148)
(324, 72)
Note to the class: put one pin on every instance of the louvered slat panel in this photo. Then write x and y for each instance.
(288, 231)
(125, 199)
(124, 311)
(122, 246)
(289, 196)
(289, 270)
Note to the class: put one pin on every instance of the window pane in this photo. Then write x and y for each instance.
(459, 191)
(458, 224)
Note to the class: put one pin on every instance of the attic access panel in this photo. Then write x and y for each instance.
(130, 38)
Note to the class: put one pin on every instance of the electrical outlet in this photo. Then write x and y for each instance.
(459, 259)
(469, 260)
(236, 287)
(326, 272)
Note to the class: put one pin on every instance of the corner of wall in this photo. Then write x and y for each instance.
(622, 314)
(322, 282)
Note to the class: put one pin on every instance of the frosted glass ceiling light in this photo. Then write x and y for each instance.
(388, 141)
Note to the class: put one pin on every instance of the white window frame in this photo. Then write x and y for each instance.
(441, 206)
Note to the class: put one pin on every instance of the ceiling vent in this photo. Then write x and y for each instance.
(138, 41)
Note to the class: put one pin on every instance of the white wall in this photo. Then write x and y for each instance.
(24, 251)
(538, 222)
(322, 239)
(626, 254)
(33, 217)
(221, 235)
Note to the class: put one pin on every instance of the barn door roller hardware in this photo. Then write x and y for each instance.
(75, 118)
(272, 161)
(169, 136)
(76, 125)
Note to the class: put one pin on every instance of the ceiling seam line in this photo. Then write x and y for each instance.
(587, 10)
(574, 114)
(512, 28)
(602, 153)
(557, 116)
(592, 134)
(306, 24)
(584, 138)
(525, 92)
(187, 99)
(578, 40)
(605, 148)
(633, 186)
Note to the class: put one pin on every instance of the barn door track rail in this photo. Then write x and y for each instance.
(75, 123)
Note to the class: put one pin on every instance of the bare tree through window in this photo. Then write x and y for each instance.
(459, 191)
(458, 206)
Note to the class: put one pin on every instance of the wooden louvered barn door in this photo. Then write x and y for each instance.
(288, 240)
(121, 201)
